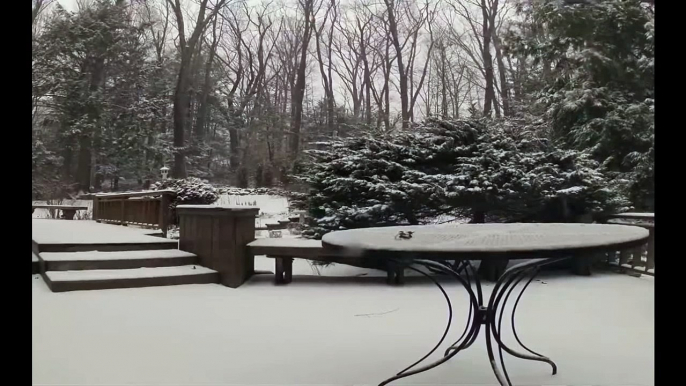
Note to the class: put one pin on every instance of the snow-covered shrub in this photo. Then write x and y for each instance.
(189, 191)
(476, 167)
(519, 177)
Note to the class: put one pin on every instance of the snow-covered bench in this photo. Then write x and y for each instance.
(283, 251)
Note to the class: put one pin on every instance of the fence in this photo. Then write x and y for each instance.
(641, 259)
(147, 208)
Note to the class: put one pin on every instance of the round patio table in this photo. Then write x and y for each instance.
(432, 246)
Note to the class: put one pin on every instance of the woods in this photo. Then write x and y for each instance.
(240, 94)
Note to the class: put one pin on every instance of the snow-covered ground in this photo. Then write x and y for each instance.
(272, 208)
(45, 231)
(45, 213)
(351, 329)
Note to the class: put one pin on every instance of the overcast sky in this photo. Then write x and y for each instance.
(68, 4)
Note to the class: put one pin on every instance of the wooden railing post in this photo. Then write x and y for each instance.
(95, 209)
(219, 237)
(122, 213)
(165, 200)
(650, 261)
(636, 260)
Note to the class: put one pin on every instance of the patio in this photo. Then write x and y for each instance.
(344, 328)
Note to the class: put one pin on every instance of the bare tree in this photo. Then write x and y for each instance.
(245, 59)
(207, 85)
(308, 8)
(414, 91)
(404, 19)
(38, 77)
(331, 15)
(483, 20)
(38, 7)
(394, 34)
(187, 49)
(386, 57)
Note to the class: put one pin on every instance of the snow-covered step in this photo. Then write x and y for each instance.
(70, 261)
(61, 281)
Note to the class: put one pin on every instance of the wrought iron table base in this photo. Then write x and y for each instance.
(490, 316)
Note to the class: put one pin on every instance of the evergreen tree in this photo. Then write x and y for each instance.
(99, 78)
(474, 167)
(592, 78)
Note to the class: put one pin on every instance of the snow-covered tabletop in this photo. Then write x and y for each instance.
(482, 240)
(419, 244)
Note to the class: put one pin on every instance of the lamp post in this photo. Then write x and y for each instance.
(164, 171)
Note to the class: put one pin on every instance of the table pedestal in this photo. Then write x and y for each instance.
(489, 316)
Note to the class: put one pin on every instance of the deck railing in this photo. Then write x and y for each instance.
(639, 260)
(147, 208)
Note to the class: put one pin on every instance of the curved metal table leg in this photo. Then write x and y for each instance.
(472, 327)
(490, 315)
(496, 305)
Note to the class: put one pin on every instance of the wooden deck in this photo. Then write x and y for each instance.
(52, 235)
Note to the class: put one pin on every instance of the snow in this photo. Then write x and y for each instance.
(54, 231)
(105, 274)
(272, 208)
(222, 207)
(490, 238)
(636, 215)
(123, 255)
(269, 205)
(287, 242)
(334, 331)
(572, 190)
(45, 213)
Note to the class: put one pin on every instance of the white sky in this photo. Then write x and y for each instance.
(68, 4)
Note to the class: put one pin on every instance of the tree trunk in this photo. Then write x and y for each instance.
(187, 49)
(402, 74)
(502, 72)
(180, 112)
(298, 92)
(234, 147)
(444, 90)
(489, 92)
(84, 170)
(201, 120)
(327, 77)
(83, 174)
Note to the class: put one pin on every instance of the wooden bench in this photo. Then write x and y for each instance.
(68, 211)
(283, 251)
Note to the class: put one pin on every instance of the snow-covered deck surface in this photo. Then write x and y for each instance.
(123, 255)
(49, 231)
(105, 274)
(347, 330)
